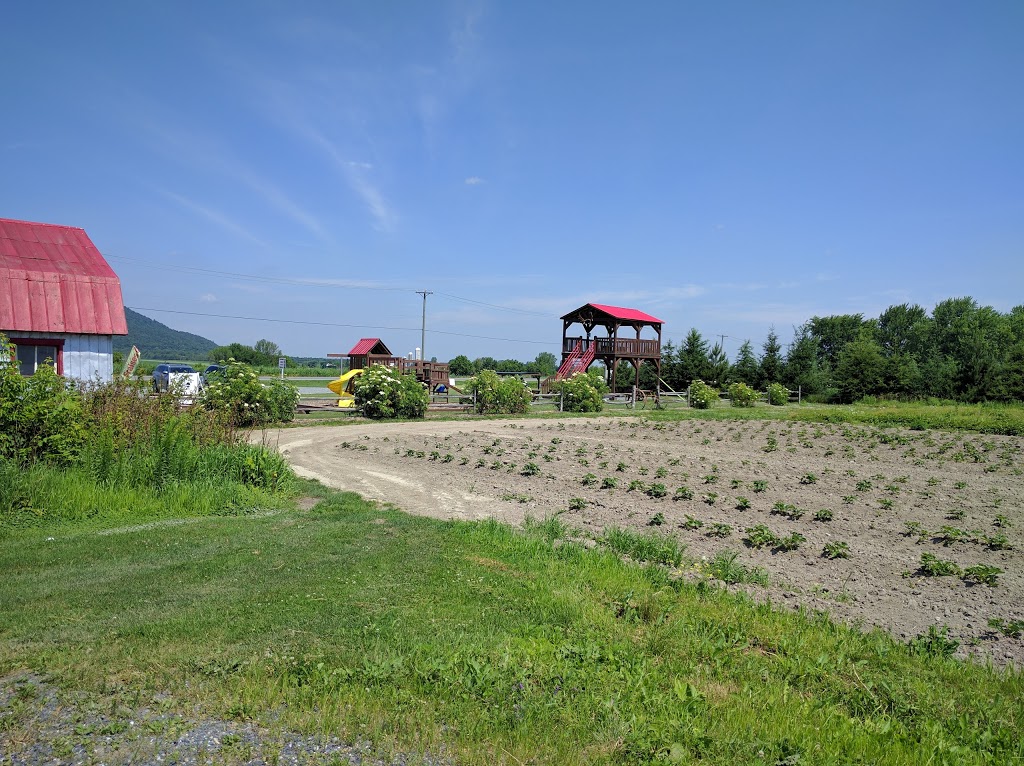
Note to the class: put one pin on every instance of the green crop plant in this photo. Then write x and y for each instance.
(710, 479)
(577, 503)
(825, 514)
(759, 485)
(997, 542)
(836, 550)
(719, 530)
(657, 490)
(863, 485)
(790, 542)
(656, 520)
(637, 485)
(588, 480)
(933, 566)
(948, 535)
(711, 498)
(621, 467)
(760, 536)
(1008, 628)
(789, 511)
(661, 473)
(983, 574)
(683, 493)
(692, 522)
(809, 478)
(609, 482)
(742, 503)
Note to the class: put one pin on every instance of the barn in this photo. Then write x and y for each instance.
(59, 300)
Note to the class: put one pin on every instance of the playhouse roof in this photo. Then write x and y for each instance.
(617, 312)
(369, 346)
(53, 279)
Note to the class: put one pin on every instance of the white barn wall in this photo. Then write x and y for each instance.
(86, 357)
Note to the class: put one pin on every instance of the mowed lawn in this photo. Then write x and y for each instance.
(490, 644)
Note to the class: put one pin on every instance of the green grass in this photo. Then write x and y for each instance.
(363, 622)
(991, 418)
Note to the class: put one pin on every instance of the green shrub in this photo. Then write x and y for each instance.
(702, 396)
(497, 395)
(778, 394)
(382, 392)
(281, 401)
(582, 392)
(41, 418)
(239, 394)
(742, 395)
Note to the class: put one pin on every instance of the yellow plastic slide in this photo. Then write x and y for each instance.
(344, 387)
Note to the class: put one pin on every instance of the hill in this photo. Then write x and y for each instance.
(158, 341)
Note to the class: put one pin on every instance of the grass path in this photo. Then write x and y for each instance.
(496, 646)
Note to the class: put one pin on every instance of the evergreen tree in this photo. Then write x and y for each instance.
(770, 367)
(718, 366)
(801, 369)
(693, 359)
(745, 369)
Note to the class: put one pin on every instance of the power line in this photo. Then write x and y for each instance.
(337, 324)
(312, 283)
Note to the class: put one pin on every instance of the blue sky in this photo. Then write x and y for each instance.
(725, 166)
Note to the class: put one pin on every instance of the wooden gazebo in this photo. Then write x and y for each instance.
(579, 352)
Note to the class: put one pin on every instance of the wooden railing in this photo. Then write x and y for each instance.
(635, 348)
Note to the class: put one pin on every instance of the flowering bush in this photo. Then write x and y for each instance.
(582, 392)
(499, 396)
(238, 392)
(742, 395)
(40, 416)
(702, 396)
(382, 392)
(778, 394)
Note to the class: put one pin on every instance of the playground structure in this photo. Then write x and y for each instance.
(370, 351)
(579, 352)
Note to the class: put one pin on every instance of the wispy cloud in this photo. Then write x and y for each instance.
(208, 298)
(214, 216)
(210, 155)
(474, 181)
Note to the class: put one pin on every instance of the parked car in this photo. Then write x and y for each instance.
(212, 372)
(162, 375)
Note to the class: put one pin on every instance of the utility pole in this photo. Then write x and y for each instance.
(423, 330)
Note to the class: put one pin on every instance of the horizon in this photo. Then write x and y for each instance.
(726, 168)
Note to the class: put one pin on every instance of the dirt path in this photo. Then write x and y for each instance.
(964, 493)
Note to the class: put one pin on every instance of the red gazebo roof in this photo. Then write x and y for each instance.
(618, 312)
(54, 280)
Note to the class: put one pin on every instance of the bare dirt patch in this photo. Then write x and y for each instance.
(890, 495)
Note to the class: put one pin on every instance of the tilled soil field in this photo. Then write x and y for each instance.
(932, 522)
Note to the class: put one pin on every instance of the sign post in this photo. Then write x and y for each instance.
(280, 363)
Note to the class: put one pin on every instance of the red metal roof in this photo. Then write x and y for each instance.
(53, 279)
(366, 345)
(627, 315)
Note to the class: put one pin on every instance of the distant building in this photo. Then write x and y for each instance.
(59, 300)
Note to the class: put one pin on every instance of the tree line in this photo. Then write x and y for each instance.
(959, 351)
